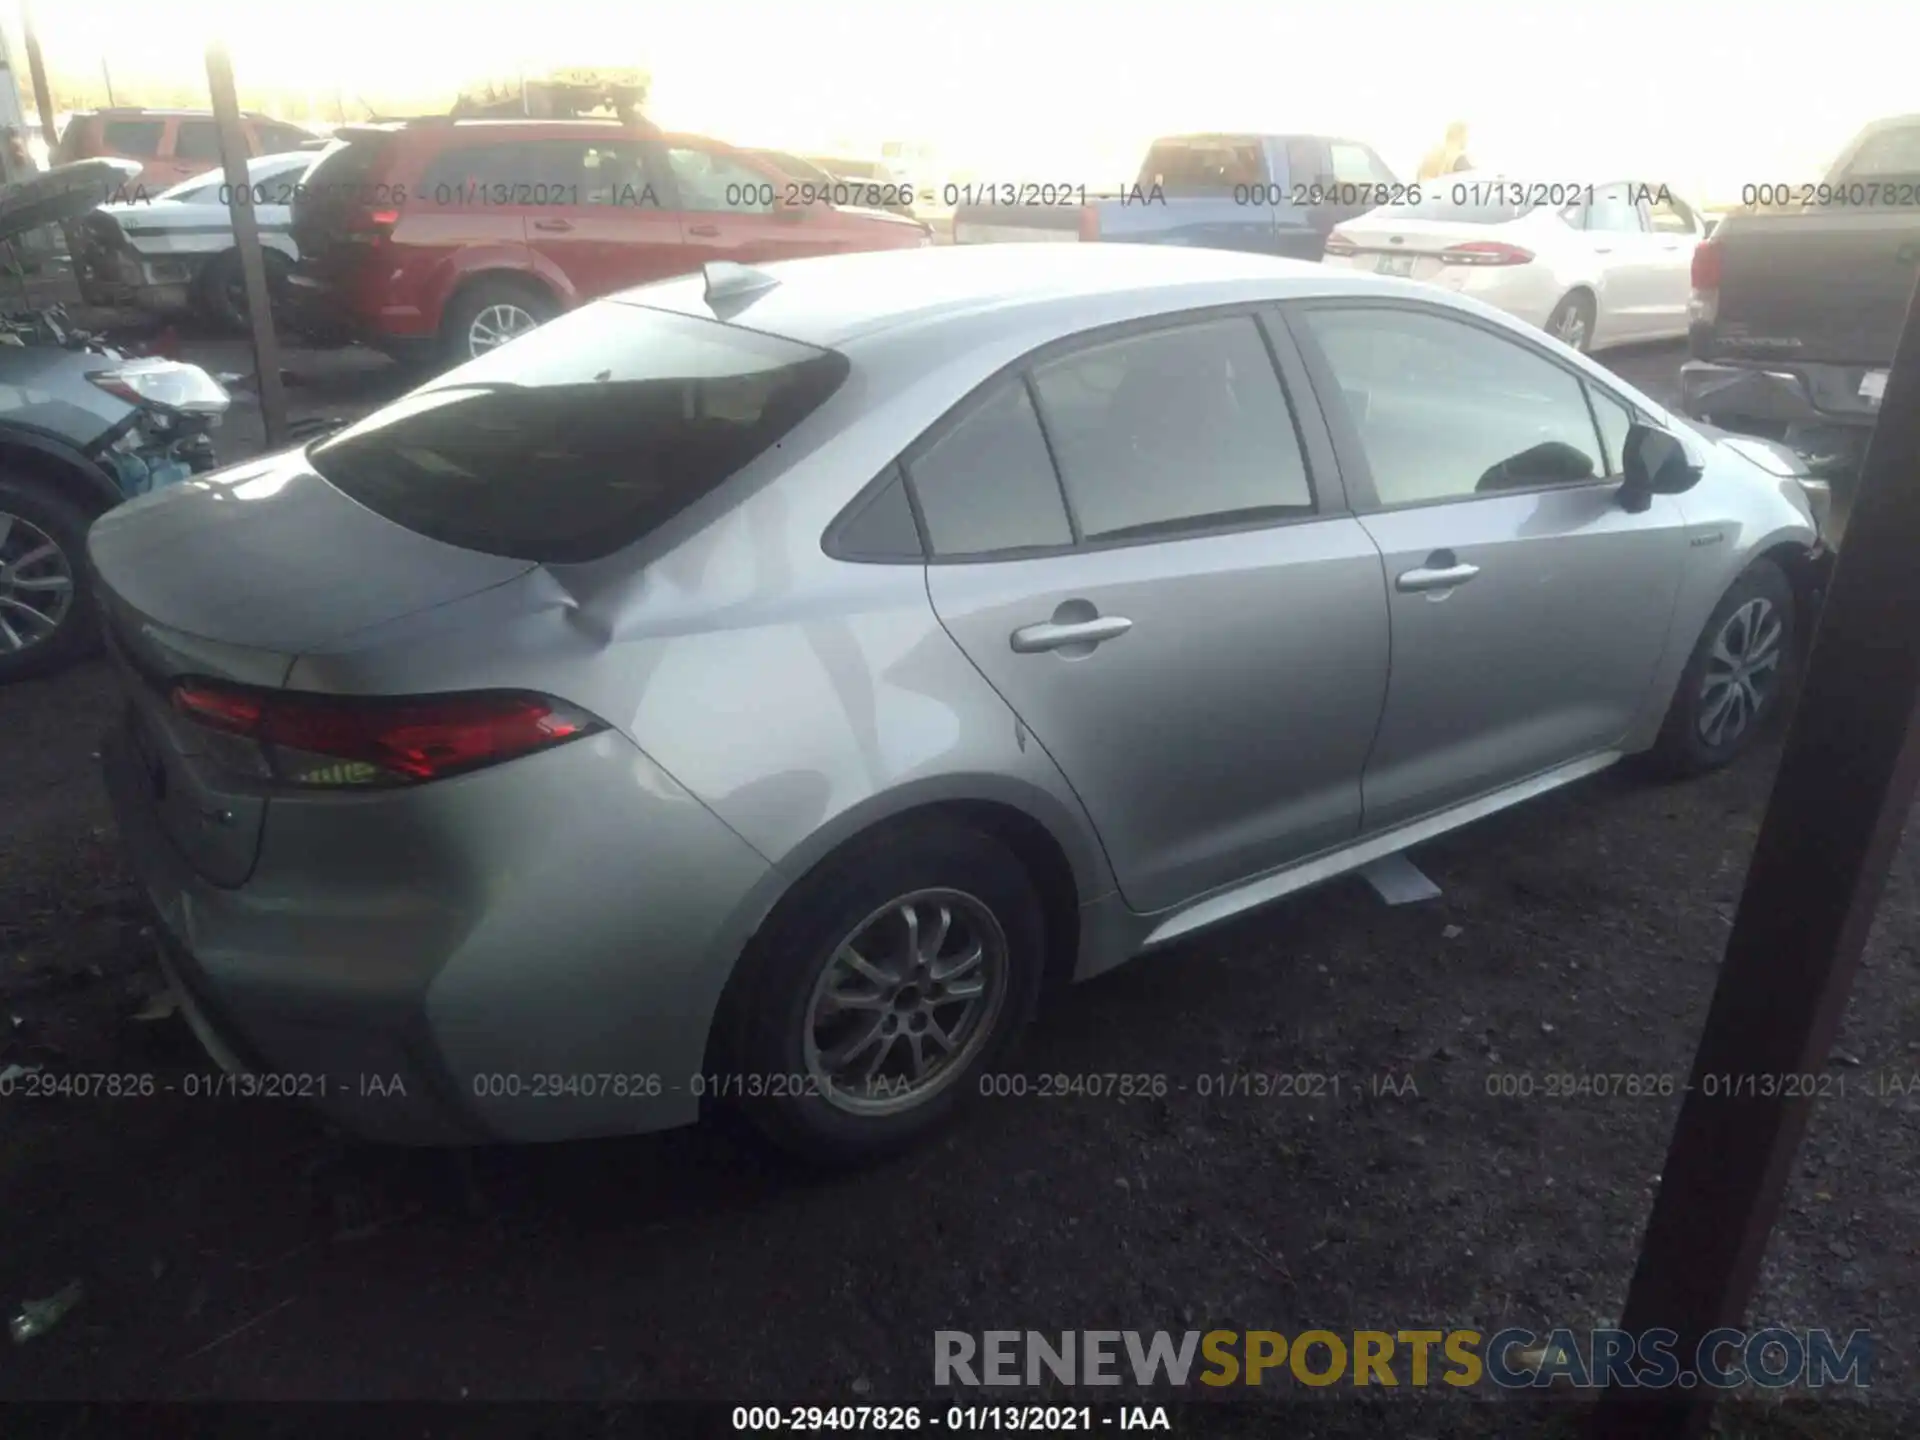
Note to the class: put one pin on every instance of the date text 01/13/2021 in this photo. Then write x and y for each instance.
(1030, 1419)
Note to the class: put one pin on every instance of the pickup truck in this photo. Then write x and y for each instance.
(1797, 306)
(1274, 194)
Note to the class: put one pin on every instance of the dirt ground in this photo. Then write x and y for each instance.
(235, 1249)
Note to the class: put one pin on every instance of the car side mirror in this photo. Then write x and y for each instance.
(1654, 462)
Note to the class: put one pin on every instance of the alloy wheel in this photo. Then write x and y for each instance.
(36, 585)
(1743, 668)
(906, 1002)
(496, 325)
(1573, 329)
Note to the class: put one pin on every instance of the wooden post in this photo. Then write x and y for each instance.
(246, 238)
(1845, 784)
(37, 68)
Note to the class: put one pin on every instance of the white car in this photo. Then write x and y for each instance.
(175, 252)
(1591, 264)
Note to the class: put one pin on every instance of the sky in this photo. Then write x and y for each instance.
(1704, 95)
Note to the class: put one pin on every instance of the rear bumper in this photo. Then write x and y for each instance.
(1815, 410)
(530, 953)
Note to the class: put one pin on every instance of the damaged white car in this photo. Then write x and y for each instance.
(175, 253)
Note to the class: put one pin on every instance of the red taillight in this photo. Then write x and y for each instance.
(1089, 222)
(1703, 306)
(1338, 244)
(382, 740)
(1706, 265)
(1486, 252)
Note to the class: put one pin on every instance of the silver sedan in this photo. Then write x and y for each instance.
(756, 688)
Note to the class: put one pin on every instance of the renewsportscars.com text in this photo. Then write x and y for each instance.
(1508, 1359)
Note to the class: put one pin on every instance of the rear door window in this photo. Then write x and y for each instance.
(582, 436)
(986, 485)
(709, 180)
(196, 142)
(132, 137)
(1615, 210)
(1173, 430)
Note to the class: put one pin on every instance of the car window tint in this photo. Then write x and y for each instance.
(197, 140)
(1174, 428)
(1205, 165)
(708, 180)
(616, 174)
(988, 484)
(527, 172)
(132, 137)
(1445, 409)
(1356, 165)
(581, 436)
(1613, 209)
(881, 527)
(1669, 214)
(1889, 154)
(1615, 420)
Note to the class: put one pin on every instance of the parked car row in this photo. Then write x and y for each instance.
(171, 145)
(448, 238)
(1593, 264)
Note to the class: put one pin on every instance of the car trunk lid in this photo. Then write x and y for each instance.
(231, 578)
(1826, 286)
(337, 210)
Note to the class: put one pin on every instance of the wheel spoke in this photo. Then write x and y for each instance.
(6, 528)
(964, 989)
(838, 1058)
(10, 636)
(856, 1000)
(44, 582)
(917, 1052)
(930, 945)
(959, 965)
(939, 1036)
(863, 967)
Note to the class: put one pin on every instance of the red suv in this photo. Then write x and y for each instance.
(457, 235)
(174, 145)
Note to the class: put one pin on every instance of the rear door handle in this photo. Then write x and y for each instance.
(706, 232)
(1049, 635)
(553, 225)
(1441, 572)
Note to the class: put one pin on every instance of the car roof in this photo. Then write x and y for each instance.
(832, 300)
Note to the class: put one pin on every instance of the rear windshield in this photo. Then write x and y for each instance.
(582, 436)
(1459, 204)
(1889, 154)
(350, 166)
(1205, 164)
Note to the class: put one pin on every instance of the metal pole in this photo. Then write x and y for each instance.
(246, 237)
(1845, 785)
(37, 68)
(107, 75)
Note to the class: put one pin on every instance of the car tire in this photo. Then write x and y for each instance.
(1707, 724)
(34, 515)
(221, 294)
(780, 1034)
(1571, 322)
(491, 304)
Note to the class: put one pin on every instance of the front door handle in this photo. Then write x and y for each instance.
(705, 232)
(1441, 572)
(553, 225)
(1052, 635)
